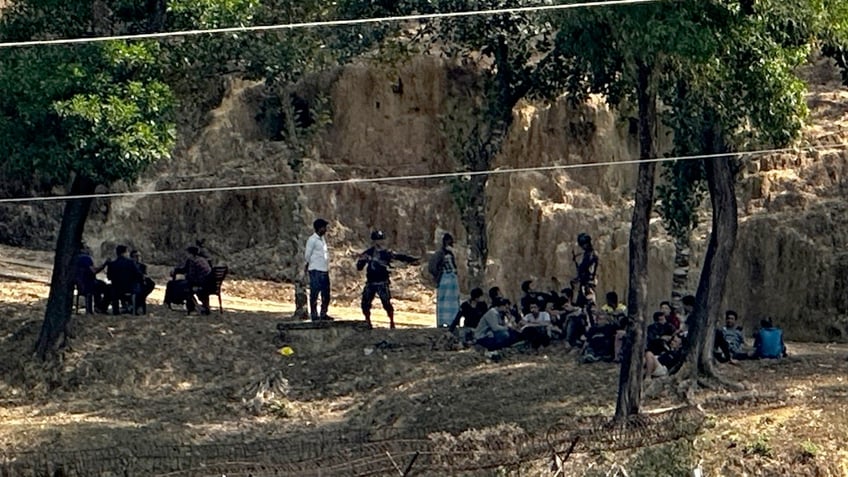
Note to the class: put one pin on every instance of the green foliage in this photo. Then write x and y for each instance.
(280, 56)
(95, 110)
(670, 459)
(759, 446)
(680, 195)
(809, 450)
(280, 408)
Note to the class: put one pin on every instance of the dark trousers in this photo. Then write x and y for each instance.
(319, 284)
(380, 289)
(536, 335)
(121, 298)
(147, 286)
(175, 292)
(96, 295)
(500, 339)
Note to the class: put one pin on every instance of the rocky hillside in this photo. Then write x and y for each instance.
(371, 121)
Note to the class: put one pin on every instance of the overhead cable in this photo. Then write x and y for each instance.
(441, 175)
(327, 23)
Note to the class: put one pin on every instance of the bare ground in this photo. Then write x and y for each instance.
(169, 379)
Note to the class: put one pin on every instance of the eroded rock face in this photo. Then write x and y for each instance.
(790, 263)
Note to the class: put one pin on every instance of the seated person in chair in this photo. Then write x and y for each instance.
(94, 291)
(198, 281)
(147, 284)
(126, 280)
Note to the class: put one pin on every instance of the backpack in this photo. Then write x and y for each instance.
(434, 266)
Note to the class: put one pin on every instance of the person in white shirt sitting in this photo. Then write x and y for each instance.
(536, 327)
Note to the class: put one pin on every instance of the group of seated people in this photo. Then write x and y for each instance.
(128, 286)
(537, 319)
(599, 333)
(667, 336)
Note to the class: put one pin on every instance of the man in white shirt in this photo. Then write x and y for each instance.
(318, 268)
(536, 326)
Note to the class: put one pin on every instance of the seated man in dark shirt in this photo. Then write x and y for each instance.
(147, 284)
(88, 286)
(532, 296)
(198, 280)
(125, 277)
(471, 311)
(659, 333)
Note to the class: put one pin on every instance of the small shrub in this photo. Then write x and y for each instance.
(809, 450)
(279, 408)
(759, 447)
(663, 460)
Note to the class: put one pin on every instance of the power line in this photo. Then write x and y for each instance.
(440, 175)
(328, 23)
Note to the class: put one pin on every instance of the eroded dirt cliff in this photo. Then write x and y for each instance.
(371, 121)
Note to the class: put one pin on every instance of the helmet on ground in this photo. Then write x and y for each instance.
(378, 235)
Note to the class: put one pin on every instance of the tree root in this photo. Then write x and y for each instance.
(688, 386)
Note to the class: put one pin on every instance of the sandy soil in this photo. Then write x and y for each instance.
(168, 379)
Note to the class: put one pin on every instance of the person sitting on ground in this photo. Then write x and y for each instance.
(768, 341)
(615, 313)
(495, 292)
(666, 363)
(147, 284)
(599, 341)
(494, 330)
(659, 333)
(88, 285)
(470, 311)
(688, 305)
(125, 280)
(198, 280)
(532, 296)
(733, 336)
(670, 316)
(536, 327)
(572, 319)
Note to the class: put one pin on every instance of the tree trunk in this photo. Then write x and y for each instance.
(57, 317)
(717, 261)
(474, 218)
(479, 157)
(725, 225)
(630, 380)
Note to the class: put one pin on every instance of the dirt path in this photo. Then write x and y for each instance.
(34, 268)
